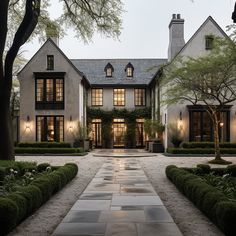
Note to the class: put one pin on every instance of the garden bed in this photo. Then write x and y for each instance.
(24, 187)
(212, 190)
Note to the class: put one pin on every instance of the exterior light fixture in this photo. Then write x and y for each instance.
(221, 124)
(180, 115)
(70, 124)
(27, 126)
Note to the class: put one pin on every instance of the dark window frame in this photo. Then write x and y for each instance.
(209, 41)
(45, 126)
(50, 62)
(49, 105)
(109, 66)
(145, 97)
(201, 109)
(92, 89)
(124, 101)
(129, 66)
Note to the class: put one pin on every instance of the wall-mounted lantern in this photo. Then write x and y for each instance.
(27, 125)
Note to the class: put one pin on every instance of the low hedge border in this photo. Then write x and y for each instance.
(200, 150)
(30, 150)
(44, 145)
(25, 200)
(208, 199)
(207, 145)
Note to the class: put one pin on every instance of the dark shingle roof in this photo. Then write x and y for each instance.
(144, 70)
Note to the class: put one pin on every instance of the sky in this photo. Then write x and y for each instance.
(145, 32)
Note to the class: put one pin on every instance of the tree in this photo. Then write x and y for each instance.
(26, 18)
(208, 81)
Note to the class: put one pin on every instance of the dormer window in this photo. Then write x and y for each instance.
(109, 70)
(129, 69)
(209, 40)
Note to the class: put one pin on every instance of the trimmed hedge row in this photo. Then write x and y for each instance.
(29, 150)
(208, 199)
(24, 200)
(200, 150)
(44, 145)
(207, 145)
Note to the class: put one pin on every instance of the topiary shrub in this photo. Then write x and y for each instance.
(225, 216)
(46, 188)
(203, 169)
(2, 173)
(218, 171)
(21, 203)
(8, 215)
(42, 167)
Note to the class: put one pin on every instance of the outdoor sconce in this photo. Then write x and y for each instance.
(180, 115)
(221, 124)
(70, 125)
(27, 126)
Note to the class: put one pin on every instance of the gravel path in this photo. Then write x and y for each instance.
(189, 219)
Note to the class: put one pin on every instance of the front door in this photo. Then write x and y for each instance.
(139, 133)
(119, 131)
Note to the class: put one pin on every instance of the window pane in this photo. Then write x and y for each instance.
(59, 129)
(49, 90)
(129, 72)
(40, 129)
(109, 72)
(140, 97)
(50, 62)
(197, 126)
(119, 97)
(59, 90)
(39, 88)
(50, 129)
(97, 97)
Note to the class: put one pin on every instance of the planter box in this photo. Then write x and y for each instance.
(157, 147)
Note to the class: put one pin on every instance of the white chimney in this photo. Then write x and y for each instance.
(176, 36)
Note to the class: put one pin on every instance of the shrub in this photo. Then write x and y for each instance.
(44, 145)
(2, 173)
(203, 169)
(207, 145)
(200, 150)
(225, 216)
(214, 203)
(21, 203)
(218, 171)
(30, 150)
(42, 167)
(46, 188)
(8, 215)
(231, 169)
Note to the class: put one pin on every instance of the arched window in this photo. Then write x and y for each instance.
(109, 70)
(129, 69)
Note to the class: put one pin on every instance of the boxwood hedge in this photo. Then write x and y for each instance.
(207, 145)
(24, 201)
(48, 150)
(44, 145)
(200, 150)
(212, 202)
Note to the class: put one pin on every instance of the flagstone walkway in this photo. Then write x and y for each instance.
(119, 201)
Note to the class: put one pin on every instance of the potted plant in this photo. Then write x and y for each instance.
(81, 137)
(154, 130)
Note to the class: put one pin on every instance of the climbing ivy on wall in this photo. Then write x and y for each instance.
(107, 117)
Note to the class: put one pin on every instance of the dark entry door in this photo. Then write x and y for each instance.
(119, 131)
(97, 132)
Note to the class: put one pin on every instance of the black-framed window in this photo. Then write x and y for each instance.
(97, 97)
(119, 97)
(129, 70)
(49, 90)
(201, 127)
(109, 70)
(50, 62)
(49, 128)
(140, 97)
(209, 40)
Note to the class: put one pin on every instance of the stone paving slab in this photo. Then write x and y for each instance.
(119, 201)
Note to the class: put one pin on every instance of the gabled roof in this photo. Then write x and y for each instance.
(61, 52)
(145, 70)
(209, 18)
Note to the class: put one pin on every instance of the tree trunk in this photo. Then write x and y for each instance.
(216, 137)
(6, 134)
